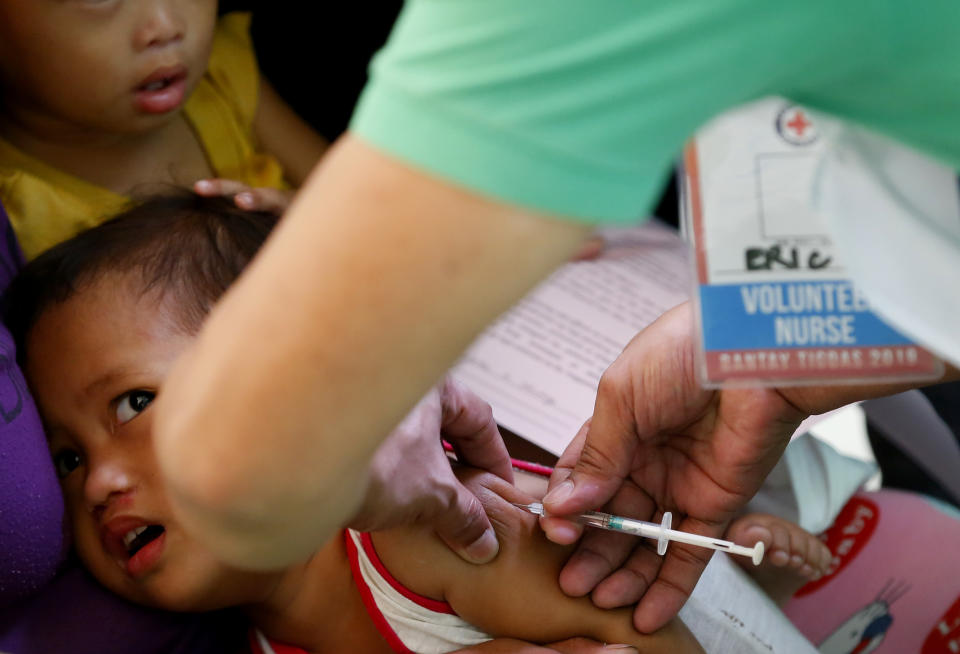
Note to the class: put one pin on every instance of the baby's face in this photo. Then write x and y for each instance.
(95, 363)
(114, 66)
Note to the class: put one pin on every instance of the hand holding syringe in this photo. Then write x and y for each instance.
(662, 532)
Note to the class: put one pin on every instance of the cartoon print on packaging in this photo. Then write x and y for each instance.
(863, 632)
(893, 586)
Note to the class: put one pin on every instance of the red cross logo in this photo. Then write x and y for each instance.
(795, 127)
(799, 123)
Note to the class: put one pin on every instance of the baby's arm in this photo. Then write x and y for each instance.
(517, 595)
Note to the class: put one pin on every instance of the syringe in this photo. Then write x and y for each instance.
(662, 532)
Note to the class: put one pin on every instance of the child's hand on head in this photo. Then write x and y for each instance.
(246, 197)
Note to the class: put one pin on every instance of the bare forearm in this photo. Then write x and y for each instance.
(376, 280)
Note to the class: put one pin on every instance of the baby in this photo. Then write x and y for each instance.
(100, 318)
(100, 97)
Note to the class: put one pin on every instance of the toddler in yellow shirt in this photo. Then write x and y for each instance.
(103, 98)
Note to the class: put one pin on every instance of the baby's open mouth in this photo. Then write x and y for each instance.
(162, 78)
(157, 85)
(162, 91)
(136, 539)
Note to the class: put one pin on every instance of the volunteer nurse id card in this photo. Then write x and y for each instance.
(774, 302)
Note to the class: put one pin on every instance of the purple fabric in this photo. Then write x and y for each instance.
(41, 613)
(73, 614)
(32, 539)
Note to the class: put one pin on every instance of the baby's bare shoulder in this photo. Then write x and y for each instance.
(517, 594)
(423, 563)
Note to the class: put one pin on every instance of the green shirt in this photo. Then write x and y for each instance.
(579, 107)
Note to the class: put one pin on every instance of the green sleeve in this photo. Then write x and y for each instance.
(579, 107)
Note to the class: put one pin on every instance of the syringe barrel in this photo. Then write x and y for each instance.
(638, 527)
(617, 523)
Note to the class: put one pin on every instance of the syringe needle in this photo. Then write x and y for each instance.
(662, 532)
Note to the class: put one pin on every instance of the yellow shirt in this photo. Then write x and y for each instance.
(47, 206)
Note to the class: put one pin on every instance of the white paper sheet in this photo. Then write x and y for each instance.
(539, 365)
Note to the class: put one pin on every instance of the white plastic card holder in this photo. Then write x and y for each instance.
(895, 213)
(776, 304)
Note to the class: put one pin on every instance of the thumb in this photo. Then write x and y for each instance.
(466, 530)
(595, 464)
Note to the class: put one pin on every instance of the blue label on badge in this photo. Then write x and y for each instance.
(821, 313)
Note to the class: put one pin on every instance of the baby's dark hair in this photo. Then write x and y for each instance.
(180, 243)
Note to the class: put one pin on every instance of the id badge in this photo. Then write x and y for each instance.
(774, 303)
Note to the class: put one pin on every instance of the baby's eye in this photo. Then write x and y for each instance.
(65, 462)
(132, 403)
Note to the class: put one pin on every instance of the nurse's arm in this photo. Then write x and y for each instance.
(377, 278)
